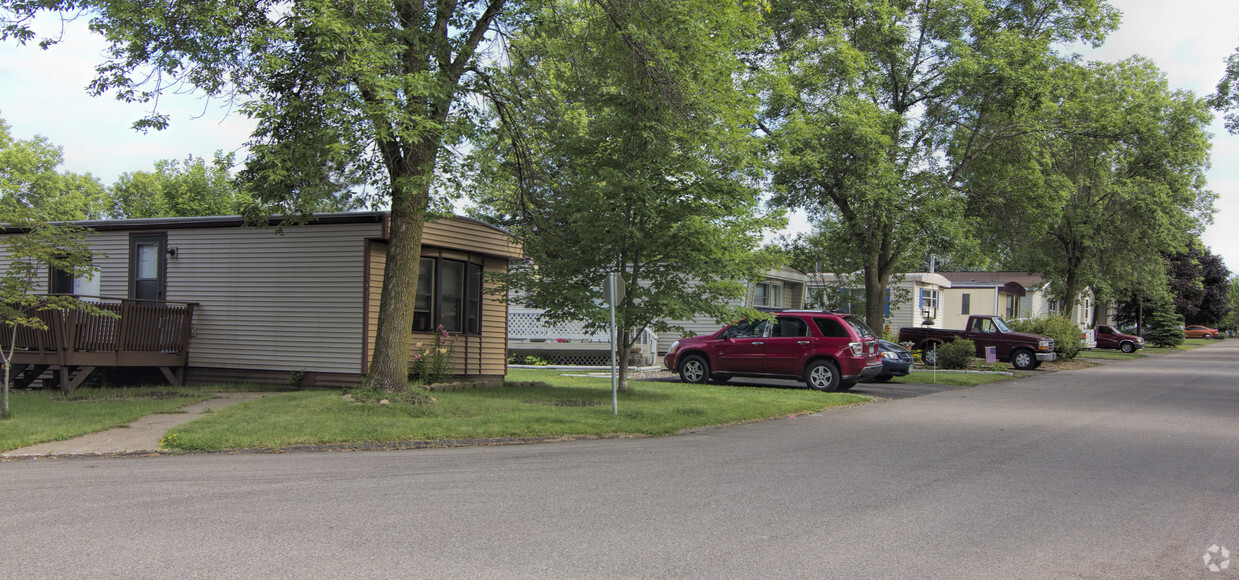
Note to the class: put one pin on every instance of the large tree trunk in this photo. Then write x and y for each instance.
(389, 367)
(874, 298)
(1073, 283)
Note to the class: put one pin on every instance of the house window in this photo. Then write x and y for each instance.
(61, 282)
(966, 300)
(929, 303)
(767, 295)
(1055, 307)
(449, 293)
(1013, 308)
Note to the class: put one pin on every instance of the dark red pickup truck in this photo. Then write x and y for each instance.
(1023, 351)
(827, 350)
(1109, 337)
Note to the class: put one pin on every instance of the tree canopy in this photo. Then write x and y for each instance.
(343, 95)
(877, 109)
(1109, 178)
(629, 150)
(30, 178)
(179, 189)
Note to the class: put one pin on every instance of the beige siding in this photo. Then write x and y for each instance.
(484, 355)
(470, 236)
(269, 301)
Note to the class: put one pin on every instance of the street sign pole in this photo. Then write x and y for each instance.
(613, 292)
(614, 353)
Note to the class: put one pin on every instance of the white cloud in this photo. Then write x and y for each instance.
(44, 93)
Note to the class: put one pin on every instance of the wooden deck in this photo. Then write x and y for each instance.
(144, 333)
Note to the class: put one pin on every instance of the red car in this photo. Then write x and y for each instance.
(826, 350)
(1198, 331)
(1110, 337)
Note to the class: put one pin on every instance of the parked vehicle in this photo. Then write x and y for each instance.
(897, 361)
(828, 351)
(1110, 337)
(1023, 351)
(1198, 331)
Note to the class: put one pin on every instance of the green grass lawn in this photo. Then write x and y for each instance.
(568, 407)
(39, 416)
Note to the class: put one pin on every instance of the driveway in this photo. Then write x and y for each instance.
(1120, 471)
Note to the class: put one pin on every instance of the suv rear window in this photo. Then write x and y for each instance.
(860, 328)
(830, 328)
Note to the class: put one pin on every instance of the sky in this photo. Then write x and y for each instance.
(44, 93)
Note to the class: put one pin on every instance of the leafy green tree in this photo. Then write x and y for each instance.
(1111, 178)
(1230, 322)
(38, 248)
(342, 93)
(877, 108)
(176, 189)
(1226, 99)
(1199, 284)
(29, 179)
(629, 151)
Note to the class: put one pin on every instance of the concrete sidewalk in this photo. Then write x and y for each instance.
(141, 436)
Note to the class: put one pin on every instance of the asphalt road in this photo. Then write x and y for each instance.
(1126, 470)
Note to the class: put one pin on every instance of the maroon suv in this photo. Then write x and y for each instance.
(826, 350)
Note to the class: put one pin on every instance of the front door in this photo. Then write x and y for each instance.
(147, 266)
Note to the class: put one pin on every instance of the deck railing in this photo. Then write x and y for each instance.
(137, 333)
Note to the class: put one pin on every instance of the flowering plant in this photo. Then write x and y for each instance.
(430, 364)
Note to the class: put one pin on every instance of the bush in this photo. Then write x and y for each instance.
(957, 354)
(1067, 336)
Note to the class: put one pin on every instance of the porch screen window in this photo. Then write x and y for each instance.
(425, 282)
(449, 293)
(473, 300)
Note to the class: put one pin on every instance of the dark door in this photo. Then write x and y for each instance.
(147, 266)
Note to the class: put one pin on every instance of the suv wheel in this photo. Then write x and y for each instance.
(694, 369)
(822, 375)
(1127, 346)
(1023, 360)
(929, 354)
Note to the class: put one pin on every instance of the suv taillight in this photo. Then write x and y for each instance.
(858, 348)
